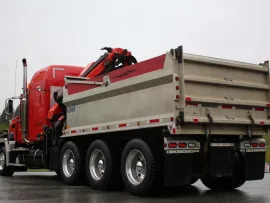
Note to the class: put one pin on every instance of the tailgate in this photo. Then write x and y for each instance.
(224, 92)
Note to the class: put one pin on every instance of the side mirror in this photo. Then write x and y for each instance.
(10, 106)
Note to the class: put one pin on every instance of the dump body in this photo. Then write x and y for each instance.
(190, 94)
(234, 94)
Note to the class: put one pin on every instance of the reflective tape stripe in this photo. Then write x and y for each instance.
(195, 120)
(154, 121)
(259, 109)
(121, 125)
(133, 124)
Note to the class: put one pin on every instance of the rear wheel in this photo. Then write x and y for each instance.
(4, 169)
(138, 168)
(102, 166)
(70, 164)
(223, 183)
(227, 183)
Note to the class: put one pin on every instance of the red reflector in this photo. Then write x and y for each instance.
(268, 105)
(138, 123)
(196, 120)
(177, 97)
(259, 109)
(261, 123)
(262, 144)
(182, 145)
(226, 107)
(172, 145)
(154, 121)
(177, 87)
(174, 130)
(73, 131)
(176, 78)
(95, 128)
(165, 145)
(122, 125)
(172, 119)
(188, 98)
(254, 144)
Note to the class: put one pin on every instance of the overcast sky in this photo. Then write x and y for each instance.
(72, 32)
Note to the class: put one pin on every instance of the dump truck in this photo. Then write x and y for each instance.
(167, 121)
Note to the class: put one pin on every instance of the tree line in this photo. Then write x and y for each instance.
(5, 119)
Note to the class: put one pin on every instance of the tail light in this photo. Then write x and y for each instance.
(172, 145)
(255, 145)
(262, 144)
(182, 145)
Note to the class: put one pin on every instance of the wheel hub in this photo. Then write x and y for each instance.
(135, 167)
(97, 164)
(68, 163)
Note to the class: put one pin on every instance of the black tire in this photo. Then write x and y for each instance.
(222, 183)
(149, 183)
(227, 183)
(76, 176)
(111, 178)
(6, 170)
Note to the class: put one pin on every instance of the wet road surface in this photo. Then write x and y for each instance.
(46, 187)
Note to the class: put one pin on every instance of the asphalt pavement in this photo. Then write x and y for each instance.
(46, 187)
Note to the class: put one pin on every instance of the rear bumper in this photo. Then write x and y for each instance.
(181, 167)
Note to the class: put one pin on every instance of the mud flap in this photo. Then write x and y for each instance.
(254, 152)
(180, 168)
(254, 165)
(220, 160)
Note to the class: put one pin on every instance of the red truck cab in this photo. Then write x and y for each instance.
(40, 99)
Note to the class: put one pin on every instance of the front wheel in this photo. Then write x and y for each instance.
(4, 169)
(138, 168)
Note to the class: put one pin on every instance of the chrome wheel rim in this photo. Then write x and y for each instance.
(2, 161)
(97, 164)
(68, 163)
(135, 167)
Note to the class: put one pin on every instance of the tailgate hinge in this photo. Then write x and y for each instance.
(208, 127)
(250, 128)
(204, 148)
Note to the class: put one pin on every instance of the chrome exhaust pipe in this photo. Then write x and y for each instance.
(25, 104)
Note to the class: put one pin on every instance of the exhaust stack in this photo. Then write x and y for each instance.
(24, 104)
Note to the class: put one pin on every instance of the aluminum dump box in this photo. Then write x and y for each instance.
(189, 94)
